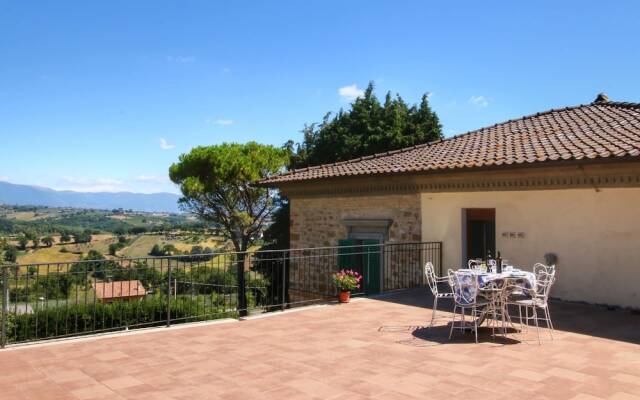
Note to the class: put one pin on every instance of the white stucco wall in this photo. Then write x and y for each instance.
(596, 236)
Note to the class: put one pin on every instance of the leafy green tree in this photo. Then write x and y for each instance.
(82, 237)
(217, 184)
(47, 240)
(137, 230)
(156, 251)
(169, 250)
(23, 241)
(113, 248)
(64, 237)
(368, 127)
(11, 254)
(93, 255)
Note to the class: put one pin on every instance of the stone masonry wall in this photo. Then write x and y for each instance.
(318, 222)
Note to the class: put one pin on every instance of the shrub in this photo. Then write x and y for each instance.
(76, 319)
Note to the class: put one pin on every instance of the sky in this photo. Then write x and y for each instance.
(105, 96)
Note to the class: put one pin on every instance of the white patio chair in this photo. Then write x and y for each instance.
(465, 290)
(539, 267)
(537, 298)
(433, 280)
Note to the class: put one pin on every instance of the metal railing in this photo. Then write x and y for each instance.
(63, 299)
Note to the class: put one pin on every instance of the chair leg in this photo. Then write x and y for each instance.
(453, 321)
(475, 322)
(535, 318)
(520, 317)
(549, 316)
(548, 321)
(435, 308)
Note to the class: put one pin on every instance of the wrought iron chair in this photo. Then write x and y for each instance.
(537, 298)
(465, 290)
(433, 280)
(541, 268)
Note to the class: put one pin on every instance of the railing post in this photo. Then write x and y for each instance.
(169, 279)
(5, 305)
(242, 295)
(284, 280)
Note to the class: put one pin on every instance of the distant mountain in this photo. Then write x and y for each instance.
(13, 194)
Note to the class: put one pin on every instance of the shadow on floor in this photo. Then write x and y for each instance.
(424, 336)
(585, 319)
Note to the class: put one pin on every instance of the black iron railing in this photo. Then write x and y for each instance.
(56, 300)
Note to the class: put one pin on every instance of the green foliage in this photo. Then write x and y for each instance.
(82, 237)
(23, 241)
(65, 237)
(10, 254)
(136, 230)
(217, 185)
(369, 127)
(114, 247)
(47, 240)
(84, 318)
(156, 251)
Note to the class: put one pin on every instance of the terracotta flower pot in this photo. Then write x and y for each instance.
(344, 296)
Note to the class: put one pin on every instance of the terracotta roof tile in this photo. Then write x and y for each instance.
(119, 289)
(601, 129)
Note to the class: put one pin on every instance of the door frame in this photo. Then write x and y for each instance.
(478, 214)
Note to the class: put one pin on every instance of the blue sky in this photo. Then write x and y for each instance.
(105, 96)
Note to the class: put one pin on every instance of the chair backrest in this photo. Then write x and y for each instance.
(464, 286)
(473, 264)
(539, 267)
(430, 275)
(544, 281)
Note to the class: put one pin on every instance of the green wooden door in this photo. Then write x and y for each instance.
(372, 266)
(347, 258)
(362, 256)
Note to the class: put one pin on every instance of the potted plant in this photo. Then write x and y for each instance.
(346, 281)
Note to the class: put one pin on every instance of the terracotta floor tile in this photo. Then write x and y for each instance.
(368, 349)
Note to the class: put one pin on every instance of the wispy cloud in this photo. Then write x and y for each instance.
(4, 178)
(226, 70)
(479, 101)
(138, 184)
(151, 178)
(181, 59)
(83, 184)
(222, 121)
(350, 92)
(164, 145)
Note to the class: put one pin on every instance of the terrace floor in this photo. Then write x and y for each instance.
(368, 349)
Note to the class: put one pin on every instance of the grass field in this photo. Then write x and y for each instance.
(45, 255)
(31, 215)
(143, 244)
